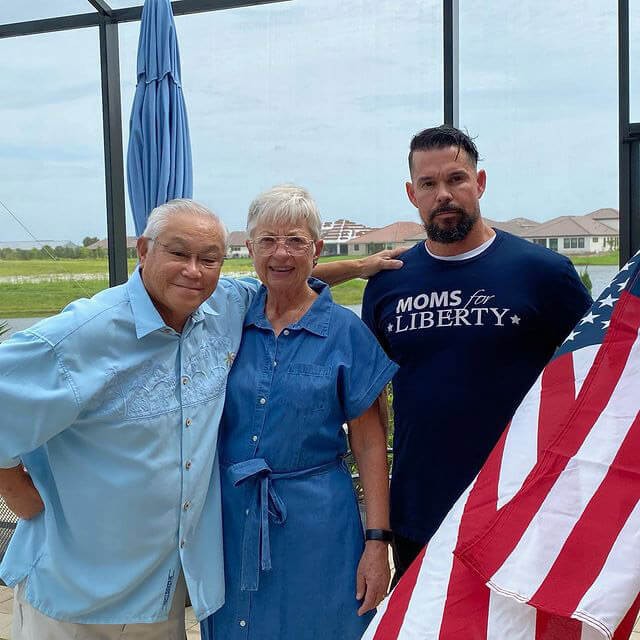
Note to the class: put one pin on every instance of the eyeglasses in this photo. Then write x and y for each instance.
(294, 245)
(206, 260)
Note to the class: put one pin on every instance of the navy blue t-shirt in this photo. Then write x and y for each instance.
(471, 337)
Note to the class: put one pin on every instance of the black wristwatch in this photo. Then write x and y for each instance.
(383, 535)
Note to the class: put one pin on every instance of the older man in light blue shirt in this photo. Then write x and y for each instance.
(113, 408)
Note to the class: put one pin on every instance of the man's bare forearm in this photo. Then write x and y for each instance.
(342, 270)
(19, 492)
(339, 271)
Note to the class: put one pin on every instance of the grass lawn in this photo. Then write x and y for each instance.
(43, 298)
(33, 299)
(609, 258)
(46, 298)
(48, 267)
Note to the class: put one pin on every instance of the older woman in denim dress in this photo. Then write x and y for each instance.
(296, 563)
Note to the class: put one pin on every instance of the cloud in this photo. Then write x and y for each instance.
(327, 93)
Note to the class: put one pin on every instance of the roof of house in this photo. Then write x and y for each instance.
(395, 232)
(237, 238)
(590, 224)
(102, 244)
(604, 214)
(342, 230)
(516, 226)
(569, 226)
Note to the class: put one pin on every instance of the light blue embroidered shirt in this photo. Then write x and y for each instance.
(115, 416)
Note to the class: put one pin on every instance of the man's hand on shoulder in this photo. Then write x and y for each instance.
(342, 270)
(19, 493)
(381, 261)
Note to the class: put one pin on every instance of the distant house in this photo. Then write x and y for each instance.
(577, 234)
(338, 234)
(236, 247)
(593, 232)
(102, 244)
(398, 234)
(608, 216)
(516, 226)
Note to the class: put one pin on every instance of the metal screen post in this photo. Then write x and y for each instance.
(450, 38)
(629, 147)
(113, 156)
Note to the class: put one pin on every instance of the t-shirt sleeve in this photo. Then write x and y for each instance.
(369, 314)
(365, 371)
(37, 396)
(567, 301)
(367, 308)
(369, 301)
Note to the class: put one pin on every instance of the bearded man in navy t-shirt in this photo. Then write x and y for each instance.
(472, 318)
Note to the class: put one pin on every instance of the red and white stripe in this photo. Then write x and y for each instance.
(552, 521)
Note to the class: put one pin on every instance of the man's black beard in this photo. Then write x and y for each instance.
(451, 234)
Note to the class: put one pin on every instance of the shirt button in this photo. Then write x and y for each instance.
(286, 332)
(263, 400)
(275, 363)
(185, 380)
(187, 505)
(243, 623)
(187, 465)
(187, 422)
(182, 544)
(254, 438)
(246, 512)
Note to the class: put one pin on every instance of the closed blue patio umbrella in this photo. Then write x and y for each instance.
(159, 156)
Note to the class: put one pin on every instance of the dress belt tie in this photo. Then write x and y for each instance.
(265, 505)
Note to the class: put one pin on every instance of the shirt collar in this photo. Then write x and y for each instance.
(315, 320)
(145, 315)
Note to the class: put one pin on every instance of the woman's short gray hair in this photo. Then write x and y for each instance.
(285, 204)
(159, 217)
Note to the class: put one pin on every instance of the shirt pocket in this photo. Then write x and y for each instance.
(309, 386)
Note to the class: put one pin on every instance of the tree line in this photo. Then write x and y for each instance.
(67, 252)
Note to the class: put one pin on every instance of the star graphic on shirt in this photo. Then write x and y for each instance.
(572, 335)
(515, 319)
(389, 327)
(605, 324)
(608, 301)
(590, 317)
(622, 285)
(230, 357)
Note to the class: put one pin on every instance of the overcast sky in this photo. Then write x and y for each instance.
(327, 94)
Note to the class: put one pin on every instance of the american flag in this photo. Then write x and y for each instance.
(552, 521)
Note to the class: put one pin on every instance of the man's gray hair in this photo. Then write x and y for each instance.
(158, 218)
(285, 204)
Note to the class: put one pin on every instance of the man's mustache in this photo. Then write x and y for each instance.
(445, 209)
